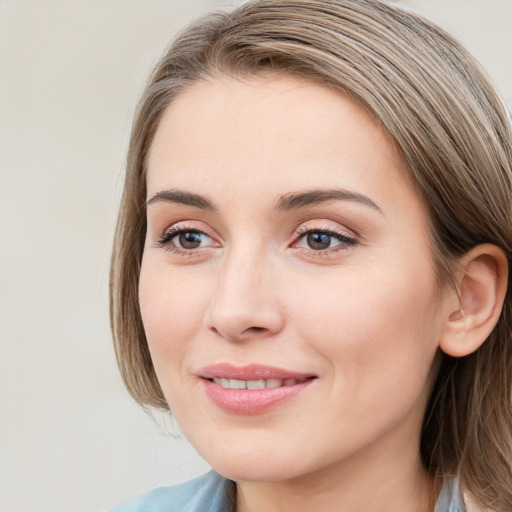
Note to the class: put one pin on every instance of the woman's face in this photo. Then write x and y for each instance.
(287, 253)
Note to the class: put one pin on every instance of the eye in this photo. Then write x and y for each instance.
(190, 239)
(323, 240)
(184, 240)
(318, 240)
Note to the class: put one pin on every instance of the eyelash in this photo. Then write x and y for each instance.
(345, 241)
(165, 241)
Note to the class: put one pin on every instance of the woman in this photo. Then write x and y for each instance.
(311, 262)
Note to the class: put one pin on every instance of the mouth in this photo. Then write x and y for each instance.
(252, 373)
(256, 384)
(252, 389)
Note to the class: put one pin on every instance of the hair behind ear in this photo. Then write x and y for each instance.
(467, 430)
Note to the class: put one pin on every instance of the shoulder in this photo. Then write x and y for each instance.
(453, 498)
(208, 493)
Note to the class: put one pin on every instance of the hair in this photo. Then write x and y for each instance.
(452, 129)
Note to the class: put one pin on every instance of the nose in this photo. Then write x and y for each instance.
(245, 301)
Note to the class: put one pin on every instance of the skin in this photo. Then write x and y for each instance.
(366, 317)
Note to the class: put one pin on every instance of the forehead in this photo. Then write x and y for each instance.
(271, 134)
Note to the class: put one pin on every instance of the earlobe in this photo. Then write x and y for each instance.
(481, 291)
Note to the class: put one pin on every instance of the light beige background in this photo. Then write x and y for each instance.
(70, 73)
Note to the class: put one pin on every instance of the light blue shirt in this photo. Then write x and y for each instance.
(213, 493)
(208, 493)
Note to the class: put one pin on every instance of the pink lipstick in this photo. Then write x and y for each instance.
(251, 389)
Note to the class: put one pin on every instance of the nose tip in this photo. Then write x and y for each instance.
(244, 303)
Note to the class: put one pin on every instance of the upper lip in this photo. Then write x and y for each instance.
(250, 372)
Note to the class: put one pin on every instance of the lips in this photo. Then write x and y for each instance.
(251, 389)
(255, 384)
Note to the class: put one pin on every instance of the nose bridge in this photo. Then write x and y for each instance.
(239, 272)
(244, 302)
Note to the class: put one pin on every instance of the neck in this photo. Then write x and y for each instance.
(363, 485)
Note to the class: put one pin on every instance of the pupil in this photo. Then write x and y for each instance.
(319, 240)
(190, 240)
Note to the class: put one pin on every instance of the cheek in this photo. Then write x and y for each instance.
(377, 338)
(372, 326)
(172, 306)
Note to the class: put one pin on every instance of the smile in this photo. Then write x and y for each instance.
(255, 384)
(253, 389)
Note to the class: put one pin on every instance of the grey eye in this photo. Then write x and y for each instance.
(318, 241)
(191, 240)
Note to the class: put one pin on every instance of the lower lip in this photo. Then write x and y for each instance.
(254, 401)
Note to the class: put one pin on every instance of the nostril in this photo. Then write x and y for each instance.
(255, 330)
(246, 333)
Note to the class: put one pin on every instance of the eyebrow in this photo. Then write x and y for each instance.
(286, 202)
(311, 197)
(181, 197)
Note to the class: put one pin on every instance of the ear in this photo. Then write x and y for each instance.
(473, 314)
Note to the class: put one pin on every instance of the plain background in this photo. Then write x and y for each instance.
(70, 74)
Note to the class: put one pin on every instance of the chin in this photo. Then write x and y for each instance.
(260, 469)
(250, 464)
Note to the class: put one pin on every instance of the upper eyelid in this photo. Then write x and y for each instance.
(306, 229)
(160, 232)
(327, 226)
(188, 225)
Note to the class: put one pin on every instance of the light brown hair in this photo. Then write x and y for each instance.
(452, 129)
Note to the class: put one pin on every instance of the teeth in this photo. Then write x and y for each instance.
(254, 384)
(274, 383)
(237, 384)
